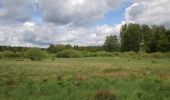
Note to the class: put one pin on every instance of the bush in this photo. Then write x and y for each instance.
(36, 54)
(68, 54)
(7, 53)
(88, 54)
(10, 54)
(103, 54)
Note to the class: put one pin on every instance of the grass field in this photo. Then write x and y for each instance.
(85, 79)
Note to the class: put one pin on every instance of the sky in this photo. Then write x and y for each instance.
(39, 23)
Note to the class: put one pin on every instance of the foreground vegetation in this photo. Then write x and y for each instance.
(96, 78)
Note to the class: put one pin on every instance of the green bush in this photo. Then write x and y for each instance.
(7, 53)
(88, 54)
(96, 54)
(23, 54)
(36, 54)
(68, 54)
(104, 54)
(10, 54)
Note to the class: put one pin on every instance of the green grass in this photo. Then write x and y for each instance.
(83, 78)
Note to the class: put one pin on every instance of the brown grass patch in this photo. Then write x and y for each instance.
(164, 75)
(112, 70)
(123, 73)
(59, 78)
(79, 77)
(11, 83)
(104, 94)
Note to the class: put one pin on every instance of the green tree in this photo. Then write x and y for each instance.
(131, 37)
(111, 43)
(155, 38)
(51, 49)
(163, 43)
(146, 38)
(122, 31)
(168, 36)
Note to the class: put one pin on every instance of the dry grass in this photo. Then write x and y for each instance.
(124, 73)
(105, 94)
(80, 77)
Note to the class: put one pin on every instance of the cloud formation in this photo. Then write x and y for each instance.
(14, 10)
(30, 34)
(77, 12)
(149, 12)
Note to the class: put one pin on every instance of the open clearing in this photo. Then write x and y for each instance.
(82, 78)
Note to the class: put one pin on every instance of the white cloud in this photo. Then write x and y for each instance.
(77, 12)
(29, 24)
(14, 10)
(149, 12)
(42, 36)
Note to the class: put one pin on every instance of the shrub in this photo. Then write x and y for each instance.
(104, 54)
(7, 53)
(88, 54)
(10, 54)
(105, 94)
(23, 54)
(35, 54)
(68, 54)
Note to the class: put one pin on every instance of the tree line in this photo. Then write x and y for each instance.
(54, 48)
(136, 37)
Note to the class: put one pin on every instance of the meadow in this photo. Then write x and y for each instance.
(88, 78)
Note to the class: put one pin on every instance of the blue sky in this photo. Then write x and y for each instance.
(39, 23)
(115, 16)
